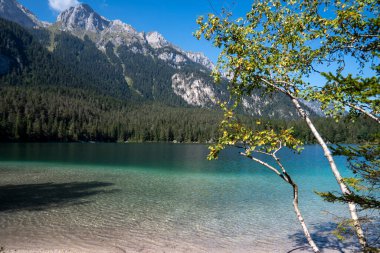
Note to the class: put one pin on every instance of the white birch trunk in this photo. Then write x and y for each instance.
(300, 218)
(338, 177)
(370, 115)
(285, 176)
(310, 240)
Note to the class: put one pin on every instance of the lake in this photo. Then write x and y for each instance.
(102, 197)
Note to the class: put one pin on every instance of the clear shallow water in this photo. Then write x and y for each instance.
(159, 198)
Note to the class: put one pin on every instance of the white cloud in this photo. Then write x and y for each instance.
(61, 5)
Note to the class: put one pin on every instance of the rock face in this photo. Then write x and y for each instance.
(82, 17)
(156, 40)
(200, 58)
(13, 11)
(195, 91)
(121, 34)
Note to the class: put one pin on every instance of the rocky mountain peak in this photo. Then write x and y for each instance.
(82, 17)
(119, 34)
(156, 40)
(13, 11)
(200, 58)
(119, 26)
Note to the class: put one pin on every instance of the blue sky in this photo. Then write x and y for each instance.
(174, 19)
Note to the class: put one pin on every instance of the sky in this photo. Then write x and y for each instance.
(174, 19)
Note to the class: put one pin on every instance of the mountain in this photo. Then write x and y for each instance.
(149, 62)
(112, 58)
(82, 17)
(183, 74)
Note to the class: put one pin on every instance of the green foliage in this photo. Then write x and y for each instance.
(364, 161)
(233, 133)
(57, 83)
(279, 43)
(358, 94)
(344, 229)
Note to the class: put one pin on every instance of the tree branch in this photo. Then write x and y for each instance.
(262, 163)
(370, 115)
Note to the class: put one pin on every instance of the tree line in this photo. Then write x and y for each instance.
(63, 114)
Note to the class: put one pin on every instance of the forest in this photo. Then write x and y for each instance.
(62, 114)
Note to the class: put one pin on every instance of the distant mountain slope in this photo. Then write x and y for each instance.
(25, 62)
(13, 11)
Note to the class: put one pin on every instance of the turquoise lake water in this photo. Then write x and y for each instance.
(160, 198)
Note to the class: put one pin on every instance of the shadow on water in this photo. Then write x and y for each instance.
(326, 240)
(38, 197)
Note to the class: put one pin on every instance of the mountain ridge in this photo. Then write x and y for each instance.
(82, 19)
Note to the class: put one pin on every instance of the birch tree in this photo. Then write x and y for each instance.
(265, 142)
(361, 96)
(278, 44)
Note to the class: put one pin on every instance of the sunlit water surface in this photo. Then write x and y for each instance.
(159, 198)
